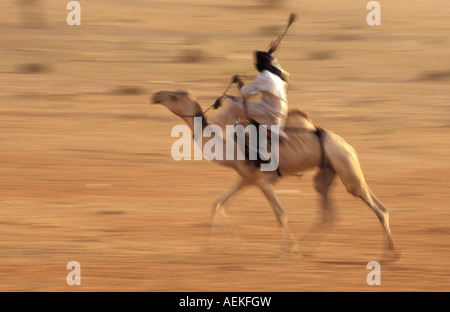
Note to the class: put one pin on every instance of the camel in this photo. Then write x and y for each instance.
(306, 149)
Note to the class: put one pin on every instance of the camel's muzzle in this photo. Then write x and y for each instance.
(156, 99)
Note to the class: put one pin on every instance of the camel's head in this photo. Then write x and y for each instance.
(181, 103)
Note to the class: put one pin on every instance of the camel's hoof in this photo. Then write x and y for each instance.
(291, 249)
(391, 255)
(307, 253)
(289, 255)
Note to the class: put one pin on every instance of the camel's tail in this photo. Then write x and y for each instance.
(344, 160)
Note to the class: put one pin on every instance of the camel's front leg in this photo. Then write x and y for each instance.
(219, 204)
(269, 192)
(219, 215)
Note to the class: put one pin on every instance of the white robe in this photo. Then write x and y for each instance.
(272, 108)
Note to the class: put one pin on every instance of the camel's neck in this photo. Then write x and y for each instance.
(209, 142)
(196, 124)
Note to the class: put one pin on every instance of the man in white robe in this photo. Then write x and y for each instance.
(272, 106)
(271, 84)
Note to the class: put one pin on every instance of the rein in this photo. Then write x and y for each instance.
(202, 114)
(216, 104)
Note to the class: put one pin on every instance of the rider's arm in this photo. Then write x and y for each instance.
(249, 90)
(258, 85)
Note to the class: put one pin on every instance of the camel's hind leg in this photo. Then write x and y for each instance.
(322, 183)
(382, 212)
(345, 162)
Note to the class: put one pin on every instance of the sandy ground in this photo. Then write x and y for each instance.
(86, 172)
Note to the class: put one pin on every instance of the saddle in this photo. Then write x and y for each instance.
(258, 161)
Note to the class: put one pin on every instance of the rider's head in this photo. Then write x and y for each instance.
(265, 61)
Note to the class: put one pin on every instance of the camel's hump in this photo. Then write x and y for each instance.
(298, 112)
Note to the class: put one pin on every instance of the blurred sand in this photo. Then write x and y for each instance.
(86, 172)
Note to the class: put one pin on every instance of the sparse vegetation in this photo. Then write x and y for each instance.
(33, 68)
(192, 55)
(129, 90)
(436, 75)
(271, 3)
(321, 55)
